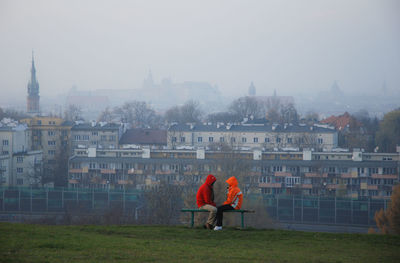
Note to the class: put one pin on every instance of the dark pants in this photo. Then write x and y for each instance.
(220, 213)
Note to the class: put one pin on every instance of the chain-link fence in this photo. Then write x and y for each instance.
(323, 210)
(297, 209)
(41, 200)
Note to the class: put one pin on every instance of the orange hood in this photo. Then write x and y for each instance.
(232, 181)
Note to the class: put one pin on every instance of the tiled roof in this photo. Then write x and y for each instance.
(340, 122)
(144, 136)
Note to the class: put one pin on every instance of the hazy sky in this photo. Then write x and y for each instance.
(291, 46)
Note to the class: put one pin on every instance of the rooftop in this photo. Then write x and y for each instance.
(95, 126)
(144, 136)
(251, 128)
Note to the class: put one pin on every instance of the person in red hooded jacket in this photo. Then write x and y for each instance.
(233, 201)
(205, 200)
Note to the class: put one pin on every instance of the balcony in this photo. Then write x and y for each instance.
(316, 175)
(158, 172)
(76, 170)
(270, 185)
(306, 186)
(107, 171)
(384, 176)
(349, 175)
(372, 187)
(282, 174)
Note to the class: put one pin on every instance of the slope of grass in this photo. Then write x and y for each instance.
(39, 243)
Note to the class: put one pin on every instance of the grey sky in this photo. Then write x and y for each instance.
(291, 46)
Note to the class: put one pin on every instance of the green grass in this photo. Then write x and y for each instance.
(40, 243)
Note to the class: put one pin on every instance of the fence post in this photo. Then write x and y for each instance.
(369, 204)
(19, 199)
(302, 207)
(62, 198)
(277, 207)
(31, 200)
(92, 199)
(351, 207)
(123, 202)
(108, 197)
(47, 199)
(293, 210)
(4, 199)
(335, 210)
(318, 210)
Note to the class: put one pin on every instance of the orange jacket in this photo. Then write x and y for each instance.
(235, 196)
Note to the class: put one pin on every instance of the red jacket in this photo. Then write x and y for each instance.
(205, 194)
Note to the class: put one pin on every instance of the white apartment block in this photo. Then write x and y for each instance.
(246, 137)
(18, 165)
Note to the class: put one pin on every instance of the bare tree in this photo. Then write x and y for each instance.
(73, 113)
(289, 114)
(173, 114)
(190, 112)
(162, 204)
(273, 106)
(35, 173)
(138, 114)
(246, 107)
(225, 117)
(106, 115)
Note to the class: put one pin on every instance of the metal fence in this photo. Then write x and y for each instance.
(297, 209)
(323, 210)
(42, 200)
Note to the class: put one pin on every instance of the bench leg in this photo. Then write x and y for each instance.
(242, 219)
(192, 221)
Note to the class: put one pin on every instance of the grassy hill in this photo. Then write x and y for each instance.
(40, 243)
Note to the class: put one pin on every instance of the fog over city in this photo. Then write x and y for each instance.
(298, 48)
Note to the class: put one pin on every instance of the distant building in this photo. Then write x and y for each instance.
(50, 135)
(19, 165)
(319, 174)
(33, 93)
(252, 136)
(252, 90)
(99, 135)
(167, 93)
(137, 138)
(27, 168)
(4, 170)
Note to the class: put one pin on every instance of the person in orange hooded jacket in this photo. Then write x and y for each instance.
(233, 201)
(205, 200)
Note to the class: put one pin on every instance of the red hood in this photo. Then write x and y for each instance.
(232, 181)
(210, 179)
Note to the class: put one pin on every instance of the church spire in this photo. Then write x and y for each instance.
(33, 72)
(33, 91)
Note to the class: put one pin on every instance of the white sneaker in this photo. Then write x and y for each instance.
(218, 228)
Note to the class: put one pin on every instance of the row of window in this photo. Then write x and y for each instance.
(244, 140)
(87, 138)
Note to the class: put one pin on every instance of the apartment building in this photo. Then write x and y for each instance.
(27, 169)
(271, 137)
(351, 174)
(99, 135)
(49, 135)
(18, 164)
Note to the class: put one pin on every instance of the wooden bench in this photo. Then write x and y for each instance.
(195, 210)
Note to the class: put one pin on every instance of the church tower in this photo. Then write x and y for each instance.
(252, 89)
(33, 92)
